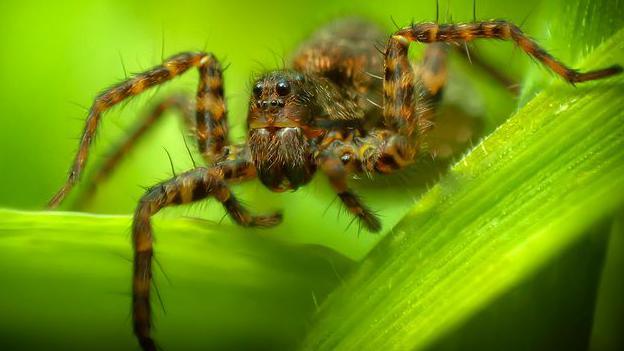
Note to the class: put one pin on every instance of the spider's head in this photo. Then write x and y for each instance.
(279, 134)
(279, 99)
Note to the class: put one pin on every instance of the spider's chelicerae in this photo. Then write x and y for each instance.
(317, 116)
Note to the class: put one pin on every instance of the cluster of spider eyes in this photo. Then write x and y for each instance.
(282, 88)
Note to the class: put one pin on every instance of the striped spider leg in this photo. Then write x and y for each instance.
(495, 29)
(195, 185)
(211, 115)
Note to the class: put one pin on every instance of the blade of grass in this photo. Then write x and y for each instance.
(520, 199)
(609, 315)
(65, 284)
(550, 309)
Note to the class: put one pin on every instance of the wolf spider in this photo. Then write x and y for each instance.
(316, 116)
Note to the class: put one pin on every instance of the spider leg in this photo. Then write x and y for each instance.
(432, 71)
(185, 188)
(332, 162)
(177, 102)
(401, 110)
(400, 105)
(382, 151)
(452, 125)
(495, 29)
(210, 126)
(431, 75)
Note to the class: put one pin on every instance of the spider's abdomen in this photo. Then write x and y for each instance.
(344, 52)
(282, 157)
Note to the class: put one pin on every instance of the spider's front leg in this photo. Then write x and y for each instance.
(210, 125)
(382, 151)
(188, 187)
(334, 167)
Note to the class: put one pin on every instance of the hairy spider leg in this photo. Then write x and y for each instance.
(381, 151)
(495, 29)
(431, 76)
(179, 103)
(334, 163)
(185, 188)
(432, 70)
(210, 126)
(403, 113)
(211, 112)
(400, 106)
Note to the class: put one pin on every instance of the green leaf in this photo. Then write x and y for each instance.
(66, 277)
(609, 315)
(524, 197)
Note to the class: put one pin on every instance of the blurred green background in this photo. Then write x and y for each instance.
(57, 57)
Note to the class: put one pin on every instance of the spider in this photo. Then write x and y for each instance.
(315, 116)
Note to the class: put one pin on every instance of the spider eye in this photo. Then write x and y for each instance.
(282, 88)
(257, 89)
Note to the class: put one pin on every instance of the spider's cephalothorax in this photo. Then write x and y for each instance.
(281, 137)
(321, 115)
